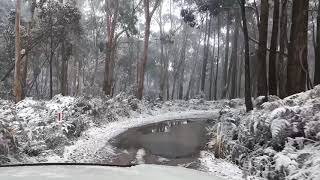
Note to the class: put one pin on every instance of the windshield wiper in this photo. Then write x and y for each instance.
(67, 164)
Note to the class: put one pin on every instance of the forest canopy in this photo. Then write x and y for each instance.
(166, 49)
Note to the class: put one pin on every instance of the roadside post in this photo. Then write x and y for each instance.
(60, 120)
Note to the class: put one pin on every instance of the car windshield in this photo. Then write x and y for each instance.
(228, 88)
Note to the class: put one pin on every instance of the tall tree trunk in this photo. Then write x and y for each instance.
(162, 63)
(317, 52)
(218, 60)
(93, 79)
(137, 67)
(254, 62)
(96, 55)
(174, 85)
(66, 50)
(283, 47)
(112, 8)
(109, 69)
(187, 96)
(51, 58)
(162, 74)
(226, 58)
(79, 88)
(95, 35)
(273, 90)
(206, 55)
(176, 69)
(262, 51)
(239, 93)
(212, 68)
(183, 60)
(77, 69)
(50, 70)
(148, 16)
(298, 48)
(18, 91)
(248, 100)
(27, 55)
(74, 70)
(234, 59)
(63, 72)
(192, 75)
(181, 82)
(166, 75)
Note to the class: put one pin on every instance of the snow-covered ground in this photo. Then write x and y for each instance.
(96, 138)
(279, 139)
(43, 139)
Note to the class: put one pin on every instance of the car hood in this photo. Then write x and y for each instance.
(140, 172)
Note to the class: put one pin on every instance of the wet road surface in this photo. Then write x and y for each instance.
(177, 142)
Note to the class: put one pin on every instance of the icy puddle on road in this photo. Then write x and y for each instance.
(177, 142)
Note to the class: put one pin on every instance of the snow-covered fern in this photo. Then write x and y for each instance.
(278, 127)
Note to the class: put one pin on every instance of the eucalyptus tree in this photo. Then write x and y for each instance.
(18, 92)
(225, 10)
(206, 51)
(60, 22)
(248, 100)
(232, 78)
(297, 75)
(32, 5)
(120, 19)
(283, 48)
(148, 14)
(317, 51)
(273, 80)
(262, 81)
(166, 39)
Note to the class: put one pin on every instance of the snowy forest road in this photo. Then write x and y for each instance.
(96, 144)
(175, 142)
(88, 148)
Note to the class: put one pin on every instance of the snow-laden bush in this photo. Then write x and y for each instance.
(31, 128)
(288, 128)
(225, 131)
(8, 141)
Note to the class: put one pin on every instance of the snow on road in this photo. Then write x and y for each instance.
(38, 117)
(97, 137)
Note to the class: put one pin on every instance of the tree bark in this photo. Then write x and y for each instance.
(226, 58)
(162, 63)
(112, 13)
(212, 68)
(206, 55)
(298, 48)
(234, 60)
(79, 87)
(18, 91)
(218, 60)
(248, 101)
(183, 59)
(273, 85)
(148, 16)
(317, 51)
(51, 58)
(27, 55)
(283, 48)
(166, 75)
(239, 93)
(66, 49)
(262, 50)
(144, 59)
(192, 75)
(176, 67)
